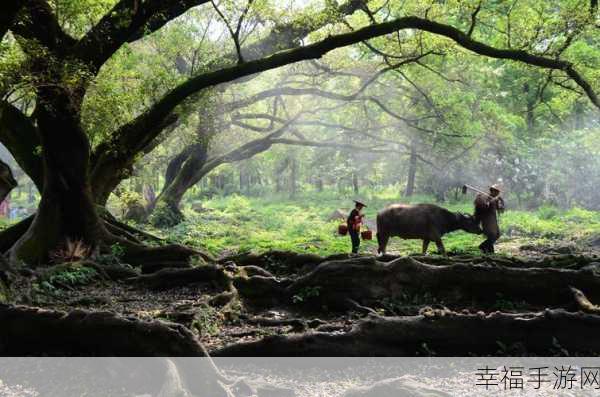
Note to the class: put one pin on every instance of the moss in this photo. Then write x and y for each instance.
(165, 215)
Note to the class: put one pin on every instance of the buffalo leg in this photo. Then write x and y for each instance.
(425, 246)
(440, 246)
(382, 241)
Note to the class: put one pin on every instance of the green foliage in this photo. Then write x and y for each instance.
(207, 321)
(117, 250)
(306, 294)
(66, 275)
(69, 274)
(243, 224)
(164, 215)
(547, 212)
(114, 257)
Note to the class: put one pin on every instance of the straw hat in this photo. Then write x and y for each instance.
(360, 203)
(496, 187)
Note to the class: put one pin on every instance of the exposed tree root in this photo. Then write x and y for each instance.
(152, 259)
(291, 261)
(114, 272)
(262, 291)
(583, 302)
(365, 280)
(136, 252)
(360, 282)
(137, 233)
(297, 324)
(555, 261)
(545, 333)
(32, 331)
(10, 235)
(171, 278)
(117, 231)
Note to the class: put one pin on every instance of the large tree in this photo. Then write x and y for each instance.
(62, 66)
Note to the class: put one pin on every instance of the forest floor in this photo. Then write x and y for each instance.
(289, 286)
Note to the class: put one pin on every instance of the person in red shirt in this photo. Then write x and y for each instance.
(354, 221)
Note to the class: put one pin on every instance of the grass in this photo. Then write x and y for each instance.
(241, 224)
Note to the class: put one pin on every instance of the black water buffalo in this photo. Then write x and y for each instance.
(427, 222)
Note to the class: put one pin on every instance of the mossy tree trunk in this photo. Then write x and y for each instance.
(66, 210)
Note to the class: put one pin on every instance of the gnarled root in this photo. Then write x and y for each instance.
(583, 303)
(171, 278)
(10, 235)
(152, 259)
(365, 279)
(32, 331)
(544, 333)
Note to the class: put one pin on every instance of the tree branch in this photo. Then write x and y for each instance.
(474, 19)
(161, 109)
(127, 21)
(38, 22)
(20, 136)
(131, 139)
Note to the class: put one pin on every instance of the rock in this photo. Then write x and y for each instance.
(405, 386)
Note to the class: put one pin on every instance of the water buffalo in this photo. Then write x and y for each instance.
(427, 222)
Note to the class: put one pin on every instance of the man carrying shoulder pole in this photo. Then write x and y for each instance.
(487, 208)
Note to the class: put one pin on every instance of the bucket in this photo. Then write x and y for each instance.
(343, 229)
(366, 235)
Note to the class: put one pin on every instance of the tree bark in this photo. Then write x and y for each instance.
(31, 331)
(443, 333)
(355, 186)
(181, 175)
(112, 161)
(66, 210)
(412, 170)
(366, 280)
(293, 177)
(21, 138)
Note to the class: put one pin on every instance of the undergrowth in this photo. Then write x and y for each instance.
(241, 224)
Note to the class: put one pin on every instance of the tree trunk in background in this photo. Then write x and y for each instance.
(66, 210)
(180, 176)
(279, 174)
(530, 115)
(578, 110)
(412, 170)
(293, 177)
(355, 186)
(319, 184)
